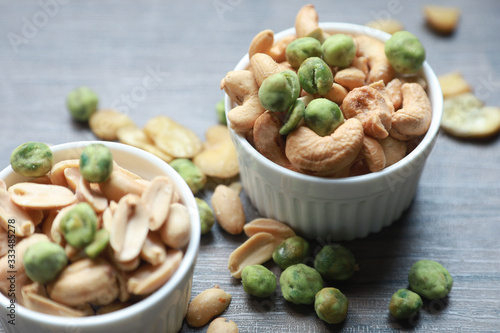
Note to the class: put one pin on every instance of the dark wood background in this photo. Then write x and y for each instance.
(111, 46)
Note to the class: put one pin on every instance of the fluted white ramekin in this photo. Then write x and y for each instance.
(165, 309)
(336, 209)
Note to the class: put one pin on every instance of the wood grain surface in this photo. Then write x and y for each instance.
(49, 47)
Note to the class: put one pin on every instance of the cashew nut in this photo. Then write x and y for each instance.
(310, 152)
(306, 23)
(373, 154)
(263, 66)
(242, 89)
(267, 139)
(350, 78)
(336, 94)
(263, 42)
(370, 107)
(394, 150)
(393, 89)
(374, 50)
(414, 118)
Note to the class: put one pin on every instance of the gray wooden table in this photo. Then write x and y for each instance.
(49, 47)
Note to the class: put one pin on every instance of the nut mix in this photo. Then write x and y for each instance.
(91, 247)
(366, 81)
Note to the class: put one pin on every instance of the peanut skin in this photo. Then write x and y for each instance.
(207, 305)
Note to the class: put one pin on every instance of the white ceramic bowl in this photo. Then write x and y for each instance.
(162, 311)
(336, 209)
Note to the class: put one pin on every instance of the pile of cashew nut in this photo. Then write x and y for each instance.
(386, 114)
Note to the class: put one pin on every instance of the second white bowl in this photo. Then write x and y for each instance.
(336, 209)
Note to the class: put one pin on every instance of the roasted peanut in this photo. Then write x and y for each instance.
(441, 18)
(149, 278)
(206, 305)
(100, 285)
(41, 196)
(222, 325)
(130, 228)
(228, 209)
(172, 138)
(254, 251)
(218, 158)
(175, 231)
(279, 230)
(106, 123)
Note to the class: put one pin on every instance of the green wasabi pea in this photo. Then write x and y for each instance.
(405, 52)
(315, 77)
(207, 218)
(331, 305)
(43, 261)
(404, 303)
(293, 117)
(258, 281)
(82, 103)
(96, 163)
(79, 225)
(430, 279)
(291, 251)
(300, 283)
(220, 111)
(339, 50)
(279, 91)
(301, 49)
(191, 174)
(335, 262)
(32, 159)
(323, 116)
(101, 240)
